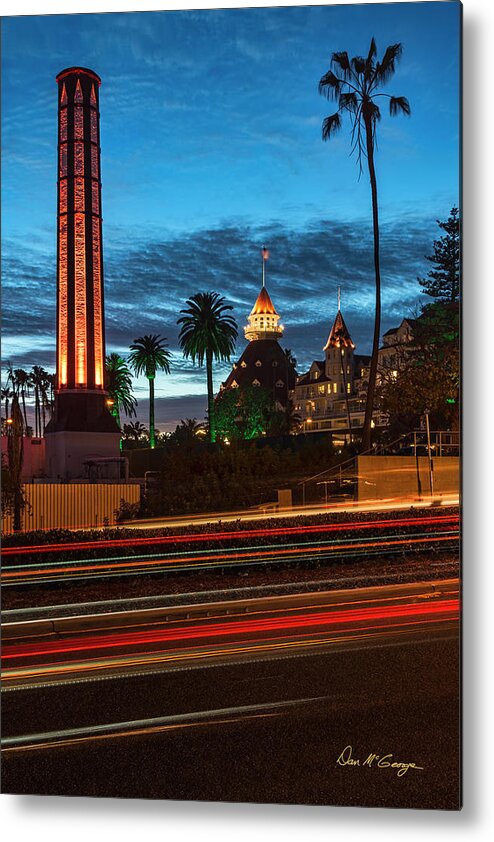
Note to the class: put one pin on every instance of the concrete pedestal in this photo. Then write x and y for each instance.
(82, 430)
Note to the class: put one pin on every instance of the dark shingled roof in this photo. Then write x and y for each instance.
(274, 368)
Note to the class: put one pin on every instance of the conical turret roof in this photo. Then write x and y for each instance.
(263, 306)
(339, 336)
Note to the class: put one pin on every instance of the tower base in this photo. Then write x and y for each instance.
(82, 431)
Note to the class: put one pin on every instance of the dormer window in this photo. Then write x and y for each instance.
(243, 364)
(256, 382)
(258, 363)
(234, 384)
(275, 363)
(279, 384)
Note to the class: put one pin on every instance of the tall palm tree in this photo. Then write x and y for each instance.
(207, 333)
(7, 395)
(150, 354)
(21, 384)
(119, 386)
(354, 84)
(38, 379)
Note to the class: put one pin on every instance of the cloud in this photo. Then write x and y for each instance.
(149, 278)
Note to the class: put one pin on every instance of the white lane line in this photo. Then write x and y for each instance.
(155, 722)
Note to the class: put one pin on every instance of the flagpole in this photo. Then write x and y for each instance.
(263, 266)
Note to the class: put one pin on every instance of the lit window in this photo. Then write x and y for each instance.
(335, 387)
(243, 364)
(321, 389)
(348, 388)
(79, 159)
(234, 384)
(80, 298)
(63, 124)
(63, 160)
(63, 196)
(63, 99)
(256, 383)
(79, 195)
(78, 123)
(94, 126)
(97, 305)
(258, 363)
(62, 302)
(92, 98)
(94, 161)
(78, 92)
(95, 197)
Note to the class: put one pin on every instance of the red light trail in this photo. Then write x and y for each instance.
(231, 535)
(445, 609)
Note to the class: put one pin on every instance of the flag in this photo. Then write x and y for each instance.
(265, 253)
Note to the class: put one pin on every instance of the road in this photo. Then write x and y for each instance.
(253, 700)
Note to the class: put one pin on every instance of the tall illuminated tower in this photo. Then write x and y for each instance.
(82, 427)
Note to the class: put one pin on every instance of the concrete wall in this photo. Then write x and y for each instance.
(406, 476)
(34, 456)
(72, 506)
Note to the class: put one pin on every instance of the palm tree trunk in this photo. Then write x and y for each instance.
(37, 420)
(23, 398)
(349, 419)
(209, 373)
(371, 389)
(151, 413)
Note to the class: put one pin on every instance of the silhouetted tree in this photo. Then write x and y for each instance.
(354, 85)
(207, 333)
(443, 282)
(150, 354)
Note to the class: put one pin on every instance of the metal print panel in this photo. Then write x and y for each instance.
(230, 436)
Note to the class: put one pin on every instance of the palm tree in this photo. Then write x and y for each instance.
(7, 395)
(150, 354)
(207, 333)
(21, 383)
(134, 431)
(38, 379)
(119, 386)
(353, 84)
(291, 359)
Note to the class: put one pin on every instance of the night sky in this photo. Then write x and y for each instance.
(211, 146)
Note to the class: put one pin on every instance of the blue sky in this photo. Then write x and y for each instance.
(211, 145)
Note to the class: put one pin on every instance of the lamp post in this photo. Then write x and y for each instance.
(431, 466)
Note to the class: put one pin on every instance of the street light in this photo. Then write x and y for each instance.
(431, 466)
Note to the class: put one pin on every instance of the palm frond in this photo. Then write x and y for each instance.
(342, 62)
(372, 51)
(349, 102)
(399, 104)
(331, 125)
(150, 354)
(386, 68)
(358, 64)
(329, 85)
(206, 328)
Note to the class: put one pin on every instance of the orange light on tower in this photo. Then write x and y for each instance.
(82, 426)
(80, 335)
